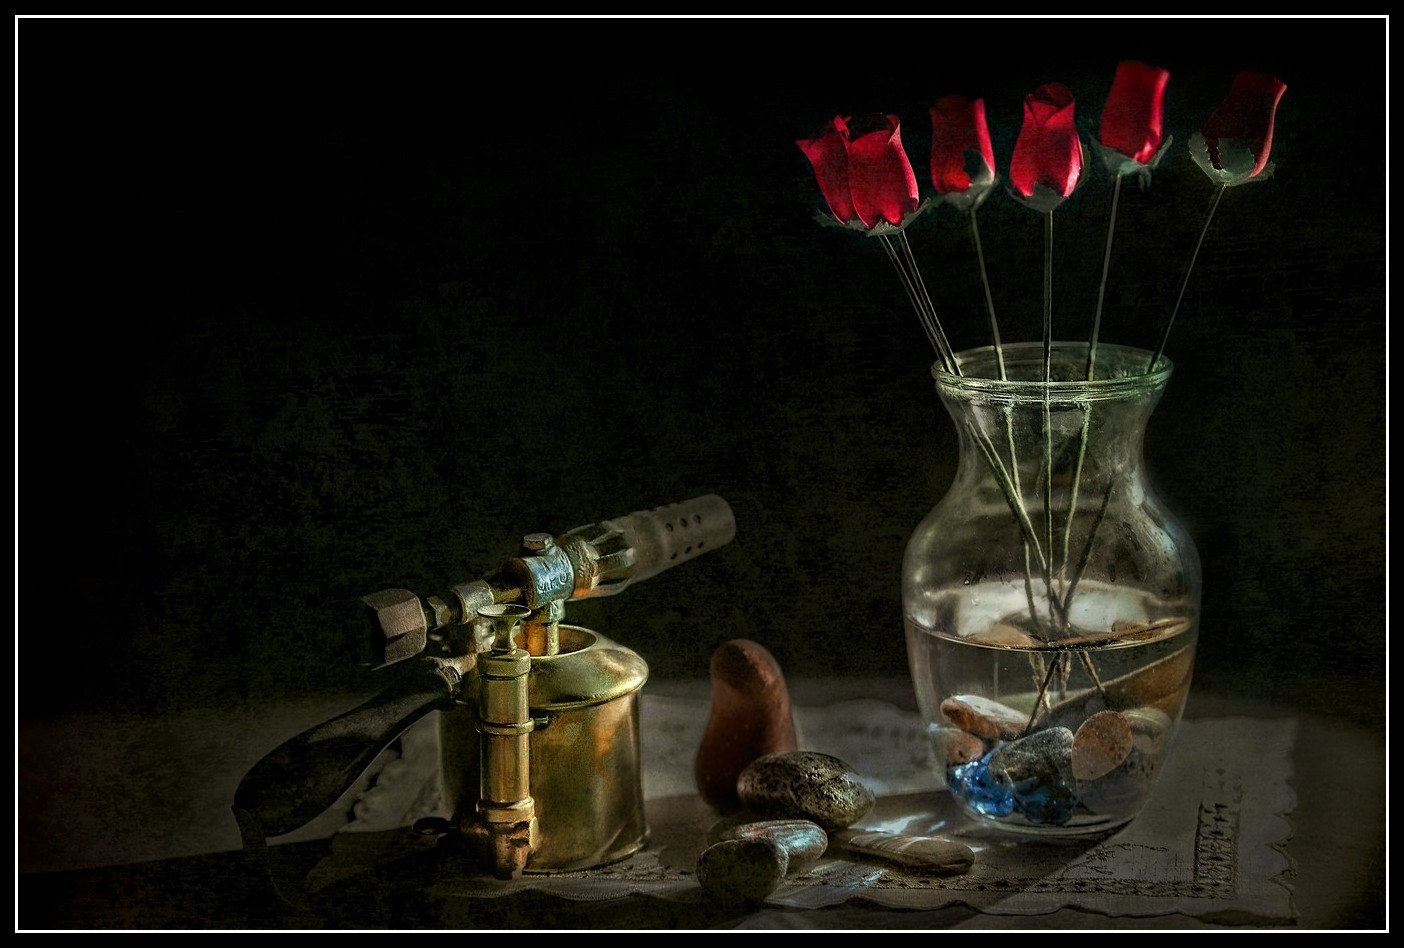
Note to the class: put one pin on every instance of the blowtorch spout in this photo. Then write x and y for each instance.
(598, 559)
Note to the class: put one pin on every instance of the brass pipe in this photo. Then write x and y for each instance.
(506, 811)
(541, 633)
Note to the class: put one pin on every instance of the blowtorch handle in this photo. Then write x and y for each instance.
(667, 536)
(307, 774)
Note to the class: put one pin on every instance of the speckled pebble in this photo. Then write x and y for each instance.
(805, 785)
(1042, 757)
(741, 872)
(1100, 745)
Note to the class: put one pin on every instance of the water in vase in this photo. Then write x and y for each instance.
(1048, 736)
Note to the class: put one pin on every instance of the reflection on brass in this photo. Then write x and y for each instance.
(504, 814)
(584, 763)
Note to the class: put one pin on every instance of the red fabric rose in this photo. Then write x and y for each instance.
(863, 170)
(828, 153)
(1133, 119)
(962, 158)
(1047, 161)
(1234, 145)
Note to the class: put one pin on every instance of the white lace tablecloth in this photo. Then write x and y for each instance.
(1208, 845)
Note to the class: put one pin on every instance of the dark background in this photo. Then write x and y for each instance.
(313, 308)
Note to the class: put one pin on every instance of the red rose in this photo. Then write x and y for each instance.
(962, 158)
(1134, 115)
(863, 171)
(1047, 161)
(828, 153)
(1234, 145)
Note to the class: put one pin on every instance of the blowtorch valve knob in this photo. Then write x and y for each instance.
(538, 542)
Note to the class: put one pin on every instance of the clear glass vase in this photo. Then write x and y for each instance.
(1051, 601)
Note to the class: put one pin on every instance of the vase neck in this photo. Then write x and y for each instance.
(1057, 427)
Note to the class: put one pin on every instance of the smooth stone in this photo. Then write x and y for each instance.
(1150, 727)
(741, 872)
(984, 717)
(919, 855)
(750, 717)
(803, 840)
(1125, 790)
(952, 746)
(1161, 685)
(1005, 636)
(1100, 745)
(805, 785)
(1045, 754)
(1038, 771)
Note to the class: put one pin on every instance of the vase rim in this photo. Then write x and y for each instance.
(1126, 368)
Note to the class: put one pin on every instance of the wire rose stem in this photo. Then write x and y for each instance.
(926, 297)
(1087, 409)
(1033, 550)
(989, 298)
(910, 276)
(1102, 289)
(1160, 349)
(1017, 488)
(1047, 397)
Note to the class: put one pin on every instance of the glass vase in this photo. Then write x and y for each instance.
(1051, 601)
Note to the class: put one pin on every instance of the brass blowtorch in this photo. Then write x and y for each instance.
(539, 739)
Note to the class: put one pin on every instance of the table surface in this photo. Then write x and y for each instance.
(109, 839)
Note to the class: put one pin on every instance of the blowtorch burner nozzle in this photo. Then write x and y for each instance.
(598, 559)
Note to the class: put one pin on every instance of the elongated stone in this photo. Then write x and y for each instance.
(805, 785)
(803, 840)
(920, 855)
(1161, 685)
(1005, 636)
(984, 717)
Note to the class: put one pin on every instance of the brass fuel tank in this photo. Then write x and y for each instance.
(584, 762)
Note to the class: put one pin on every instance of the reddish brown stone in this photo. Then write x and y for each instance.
(750, 717)
(984, 717)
